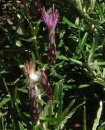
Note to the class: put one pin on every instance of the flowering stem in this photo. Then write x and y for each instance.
(33, 103)
(35, 78)
(52, 47)
(51, 20)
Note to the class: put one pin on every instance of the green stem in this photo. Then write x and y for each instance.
(84, 118)
(35, 42)
(5, 84)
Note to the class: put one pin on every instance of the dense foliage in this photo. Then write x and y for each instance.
(77, 78)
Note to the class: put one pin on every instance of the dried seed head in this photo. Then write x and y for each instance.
(29, 70)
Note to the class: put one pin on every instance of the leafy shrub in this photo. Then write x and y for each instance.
(78, 77)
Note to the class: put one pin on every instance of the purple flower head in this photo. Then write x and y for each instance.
(50, 19)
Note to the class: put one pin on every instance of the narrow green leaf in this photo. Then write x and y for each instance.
(93, 46)
(92, 6)
(24, 90)
(100, 11)
(63, 120)
(83, 86)
(64, 113)
(29, 39)
(76, 61)
(49, 119)
(48, 109)
(21, 125)
(84, 119)
(97, 119)
(79, 4)
(60, 97)
(19, 31)
(83, 41)
(80, 50)
(67, 86)
(4, 101)
(68, 108)
(65, 20)
(101, 63)
(9, 21)
(61, 57)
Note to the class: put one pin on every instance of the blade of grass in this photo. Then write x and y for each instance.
(63, 119)
(97, 119)
(84, 118)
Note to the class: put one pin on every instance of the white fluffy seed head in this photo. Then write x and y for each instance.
(35, 76)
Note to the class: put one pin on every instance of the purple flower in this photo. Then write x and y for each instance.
(50, 19)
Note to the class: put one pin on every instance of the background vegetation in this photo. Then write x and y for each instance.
(77, 79)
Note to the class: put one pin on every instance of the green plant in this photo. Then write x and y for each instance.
(76, 81)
